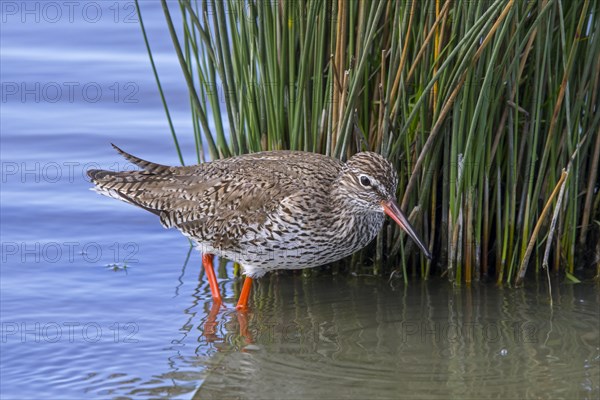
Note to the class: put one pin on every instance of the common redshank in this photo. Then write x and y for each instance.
(267, 211)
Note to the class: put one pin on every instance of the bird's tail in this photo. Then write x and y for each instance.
(143, 164)
(127, 186)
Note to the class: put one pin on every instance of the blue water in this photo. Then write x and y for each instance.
(97, 300)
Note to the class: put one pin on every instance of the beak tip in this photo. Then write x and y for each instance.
(391, 208)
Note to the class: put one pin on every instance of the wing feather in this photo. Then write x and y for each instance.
(216, 202)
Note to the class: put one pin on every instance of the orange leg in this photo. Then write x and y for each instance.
(207, 262)
(242, 304)
(210, 326)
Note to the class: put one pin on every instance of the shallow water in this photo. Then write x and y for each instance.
(97, 300)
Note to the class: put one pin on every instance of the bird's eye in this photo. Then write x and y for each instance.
(365, 181)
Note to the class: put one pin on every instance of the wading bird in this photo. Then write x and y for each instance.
(267, 211)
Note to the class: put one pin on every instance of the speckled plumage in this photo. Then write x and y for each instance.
(268, 210)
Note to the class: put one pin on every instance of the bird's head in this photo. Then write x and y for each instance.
(368, 183)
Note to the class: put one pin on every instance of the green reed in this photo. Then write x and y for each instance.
(488, 109)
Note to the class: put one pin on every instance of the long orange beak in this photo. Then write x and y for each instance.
(391, 208)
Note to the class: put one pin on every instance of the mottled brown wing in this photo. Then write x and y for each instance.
(215, 202)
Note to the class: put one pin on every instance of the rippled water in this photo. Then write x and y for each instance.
(97, 300)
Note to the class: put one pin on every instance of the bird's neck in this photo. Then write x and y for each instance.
(352, 221)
